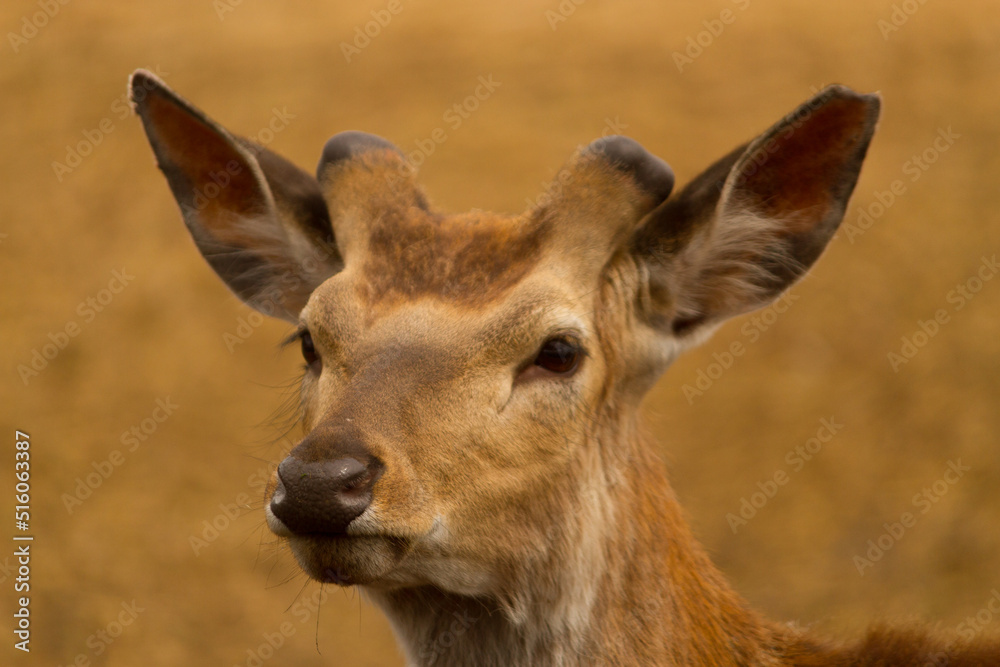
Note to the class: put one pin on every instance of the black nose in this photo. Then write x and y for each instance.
(323, 496)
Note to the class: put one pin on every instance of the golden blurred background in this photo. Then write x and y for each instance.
(143, 395)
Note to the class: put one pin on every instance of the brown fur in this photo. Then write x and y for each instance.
(522, 518)
(470, 260)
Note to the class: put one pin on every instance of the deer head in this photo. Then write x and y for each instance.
(471, 381)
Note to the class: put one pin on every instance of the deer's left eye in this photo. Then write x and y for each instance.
(309, 350)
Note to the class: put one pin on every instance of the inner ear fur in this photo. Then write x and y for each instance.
(755, 221)
(260, 221)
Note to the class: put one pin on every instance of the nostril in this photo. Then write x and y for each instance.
(357, 477)
(349, 471)
(323, 496)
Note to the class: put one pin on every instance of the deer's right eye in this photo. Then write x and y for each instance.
(309, 350)
(558, 356)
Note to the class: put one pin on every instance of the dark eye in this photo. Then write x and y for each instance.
(308, 349)
(559, 355)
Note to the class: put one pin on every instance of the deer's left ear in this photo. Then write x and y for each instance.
(754, 222)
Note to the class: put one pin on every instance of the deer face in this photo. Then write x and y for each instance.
(454, 368)
(467, 376)
(435, 433)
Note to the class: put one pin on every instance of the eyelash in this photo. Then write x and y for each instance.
(309, 353)
(308, 348)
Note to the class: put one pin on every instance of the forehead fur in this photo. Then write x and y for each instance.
(468, 259)
(402, 249)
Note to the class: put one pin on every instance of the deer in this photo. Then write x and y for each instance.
(473, 459)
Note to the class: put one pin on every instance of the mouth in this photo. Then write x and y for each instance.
(348, 560)
(343, 559)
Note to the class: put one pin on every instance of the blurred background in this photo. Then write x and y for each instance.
(148, 390)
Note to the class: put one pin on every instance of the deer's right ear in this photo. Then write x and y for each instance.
(260, 221)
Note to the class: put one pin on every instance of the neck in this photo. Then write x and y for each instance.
(625, 584)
